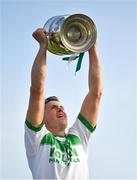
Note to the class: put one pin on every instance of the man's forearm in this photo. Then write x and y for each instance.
(39, 70)
(36, 106)
(95, 78)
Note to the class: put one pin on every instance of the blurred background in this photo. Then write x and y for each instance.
(112, 148)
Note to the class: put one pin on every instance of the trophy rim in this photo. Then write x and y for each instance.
(91, 34)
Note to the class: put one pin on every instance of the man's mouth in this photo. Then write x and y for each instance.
(60, 115)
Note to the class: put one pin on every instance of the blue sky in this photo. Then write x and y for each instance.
(112, 148)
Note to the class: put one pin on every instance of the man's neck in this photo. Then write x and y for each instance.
(60, 133)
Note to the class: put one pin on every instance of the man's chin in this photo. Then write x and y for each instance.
(63, 126)
(63, 123)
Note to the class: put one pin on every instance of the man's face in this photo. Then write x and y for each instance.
(55, 117)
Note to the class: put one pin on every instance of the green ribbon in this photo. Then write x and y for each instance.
(79, 57)
(68, 58)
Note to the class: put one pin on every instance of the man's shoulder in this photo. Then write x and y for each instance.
(83, 124)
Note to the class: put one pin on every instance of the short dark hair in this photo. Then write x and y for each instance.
(51, 98)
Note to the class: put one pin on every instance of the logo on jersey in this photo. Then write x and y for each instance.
(63, 157)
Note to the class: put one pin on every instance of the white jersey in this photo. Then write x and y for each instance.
(58, 157)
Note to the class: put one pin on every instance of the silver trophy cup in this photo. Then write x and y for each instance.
(70, 34)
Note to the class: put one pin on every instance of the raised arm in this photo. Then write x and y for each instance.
(90, 106)
(36, 102)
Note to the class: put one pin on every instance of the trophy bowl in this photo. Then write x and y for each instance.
(70, 34)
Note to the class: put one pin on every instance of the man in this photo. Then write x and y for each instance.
(52, 153)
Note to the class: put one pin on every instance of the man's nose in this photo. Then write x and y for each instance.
(60, 109)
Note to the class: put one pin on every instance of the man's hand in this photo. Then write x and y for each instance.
(40, 36)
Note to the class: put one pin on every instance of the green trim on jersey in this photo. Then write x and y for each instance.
(34, 128)
(70, 139)
(86, 123)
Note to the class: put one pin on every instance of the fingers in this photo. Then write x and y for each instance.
(40, 35)
(38, 32)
